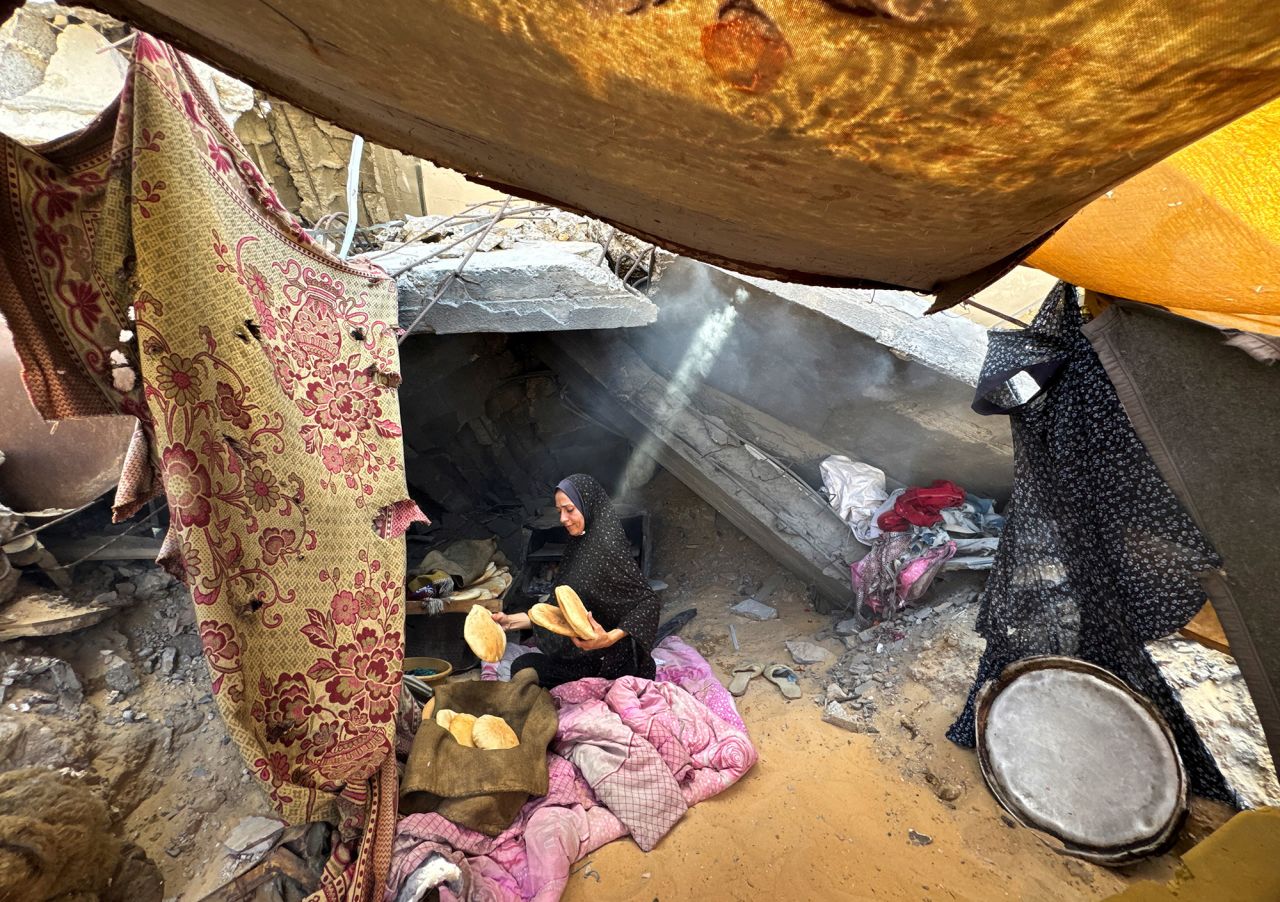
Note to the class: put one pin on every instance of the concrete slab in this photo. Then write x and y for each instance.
(537, 286)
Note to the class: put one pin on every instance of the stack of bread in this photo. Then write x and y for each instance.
(568, 617)
(491, 585)
(484, 732)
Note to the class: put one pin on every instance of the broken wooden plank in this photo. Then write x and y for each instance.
(786, 517)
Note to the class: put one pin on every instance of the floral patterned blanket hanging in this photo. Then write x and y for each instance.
(149, 269)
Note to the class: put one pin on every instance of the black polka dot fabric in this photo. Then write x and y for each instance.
(598, 566)
(1097, 557)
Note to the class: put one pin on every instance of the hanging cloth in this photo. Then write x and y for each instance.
(1097, 556)
(149, 269)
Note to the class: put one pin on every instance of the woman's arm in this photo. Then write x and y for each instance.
(512, 621)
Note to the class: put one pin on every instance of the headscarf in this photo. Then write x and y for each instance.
(598, 566)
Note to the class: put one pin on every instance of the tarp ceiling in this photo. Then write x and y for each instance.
(922, 144)
(1198, 233)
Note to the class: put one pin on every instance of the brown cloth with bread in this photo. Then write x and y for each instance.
(482, 789)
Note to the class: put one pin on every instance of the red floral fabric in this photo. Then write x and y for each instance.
(266, 394)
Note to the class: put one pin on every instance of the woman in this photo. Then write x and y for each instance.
(598, 566)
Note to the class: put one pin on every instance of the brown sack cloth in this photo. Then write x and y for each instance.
(482, 789)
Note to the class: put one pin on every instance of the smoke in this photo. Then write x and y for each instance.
(698, 359)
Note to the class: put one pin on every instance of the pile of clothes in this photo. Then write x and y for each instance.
(914, 533)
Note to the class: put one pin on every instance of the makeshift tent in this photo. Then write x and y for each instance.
(924, 144)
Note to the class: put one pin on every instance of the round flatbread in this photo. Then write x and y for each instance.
(493, 733)
(575, 612)
(445, 716)
(483, 635)
(550, 617)
(462, 727)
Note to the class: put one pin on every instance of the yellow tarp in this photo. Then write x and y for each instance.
(1236, 864)
(1198, 233)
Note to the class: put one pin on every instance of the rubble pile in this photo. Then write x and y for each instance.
(123, 710)
(936, 647)
(881, 658)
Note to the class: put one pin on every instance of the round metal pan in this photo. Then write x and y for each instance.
(1070, 750)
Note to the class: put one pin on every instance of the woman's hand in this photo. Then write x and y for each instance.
(511, 621)
(602, 638)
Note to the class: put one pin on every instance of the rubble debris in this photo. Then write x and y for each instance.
(119, 674)
(754, 610)
(48, 614)
(836, 692)
(536, 286)
(805, 652)
(253, 837)
(848, 627)
(838, 715)
(52, 682)
(290, 870)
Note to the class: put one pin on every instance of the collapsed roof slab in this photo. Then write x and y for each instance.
(537, 286)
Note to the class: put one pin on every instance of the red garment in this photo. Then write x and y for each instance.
(921, 507)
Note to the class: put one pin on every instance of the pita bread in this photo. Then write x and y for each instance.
(575, 612)
(445, 716)
(462, 727)
(494, 733)
(550, 617)
(483, 635)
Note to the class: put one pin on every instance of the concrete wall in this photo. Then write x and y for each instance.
(821, 386)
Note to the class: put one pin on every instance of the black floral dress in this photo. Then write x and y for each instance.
(598, 566)
(1098, 557)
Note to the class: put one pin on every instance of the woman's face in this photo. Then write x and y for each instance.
(570, 517)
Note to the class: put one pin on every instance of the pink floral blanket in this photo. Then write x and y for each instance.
(629, 758)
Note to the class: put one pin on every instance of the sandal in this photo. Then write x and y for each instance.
(784, 678)
(743, 675)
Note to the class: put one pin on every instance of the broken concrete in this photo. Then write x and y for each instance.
(804, 652)
(754, 610)
(540, 286)
(838, 716)
(53, 81)
(805, 372)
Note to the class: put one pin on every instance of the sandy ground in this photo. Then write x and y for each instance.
(826, 814)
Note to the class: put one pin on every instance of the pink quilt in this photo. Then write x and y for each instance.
(629, 758)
